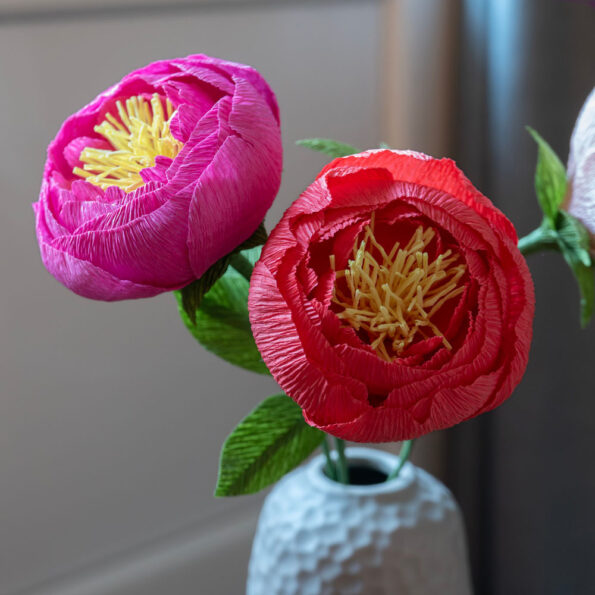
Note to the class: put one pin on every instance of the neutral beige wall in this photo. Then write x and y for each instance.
(51, 7)
(419, 71)
(111, 416)
(420, 62)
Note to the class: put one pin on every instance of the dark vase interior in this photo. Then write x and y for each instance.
(364, 475)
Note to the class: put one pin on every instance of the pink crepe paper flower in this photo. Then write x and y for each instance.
(391, 300)
(580, 198)
(158, 178)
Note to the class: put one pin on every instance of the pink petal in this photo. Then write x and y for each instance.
(230, 200)
(145, 248)
(87, 280)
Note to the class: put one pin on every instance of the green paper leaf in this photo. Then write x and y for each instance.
(328, 146)
(221, 323)
(573, 240)
(570, 237)
(190, 297)
(586, 283)
(258, 238)
(271, 441)
(550, 179)
(575, 236)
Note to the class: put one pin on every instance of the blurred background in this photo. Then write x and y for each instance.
(112, 417)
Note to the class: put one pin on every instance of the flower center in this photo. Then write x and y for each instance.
(138, 136)
(393, 296)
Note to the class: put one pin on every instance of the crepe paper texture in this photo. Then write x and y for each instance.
(580, 197)
(328, 146)
(560, 230)
(550, 180)
(220, 322)
(159, 177)
(268, 443)
(191, 296)
(391, 300)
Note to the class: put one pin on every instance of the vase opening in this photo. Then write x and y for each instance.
(368, 470)
(361, 473)
(365, 475)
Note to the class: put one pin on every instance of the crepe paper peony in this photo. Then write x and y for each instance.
(391, 300)
(159, 177)
(580, 198)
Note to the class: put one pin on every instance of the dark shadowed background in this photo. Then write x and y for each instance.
(524, 474)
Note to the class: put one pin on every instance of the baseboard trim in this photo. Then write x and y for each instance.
(208, 559)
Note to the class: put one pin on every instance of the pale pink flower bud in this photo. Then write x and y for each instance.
(580, 197)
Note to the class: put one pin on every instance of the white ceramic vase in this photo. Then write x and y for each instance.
(318, 537)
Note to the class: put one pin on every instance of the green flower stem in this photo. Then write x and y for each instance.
(330, 466)
(342, 470)
(242, 265)
(542, 238)
(403, 456)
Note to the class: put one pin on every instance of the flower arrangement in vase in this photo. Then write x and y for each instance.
(391, 300)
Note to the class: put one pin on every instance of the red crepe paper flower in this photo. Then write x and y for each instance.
(391, 299)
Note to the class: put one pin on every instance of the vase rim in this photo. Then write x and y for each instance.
(378, 459)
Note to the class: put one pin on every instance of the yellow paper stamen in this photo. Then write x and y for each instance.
(139, 135)
(391, 297)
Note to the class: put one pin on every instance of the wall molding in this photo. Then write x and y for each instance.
(14, 12)
(215, 552)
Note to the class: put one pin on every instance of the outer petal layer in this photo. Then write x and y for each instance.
(580, 199)
(343, 386)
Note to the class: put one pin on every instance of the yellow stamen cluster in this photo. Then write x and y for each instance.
(139, 135)
(393, 296)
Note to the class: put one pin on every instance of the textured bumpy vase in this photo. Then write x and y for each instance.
(318, 537)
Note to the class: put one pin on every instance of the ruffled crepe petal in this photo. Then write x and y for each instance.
(362, 397)
(581, 189)
(440, 174)
(582, 141)
(277, 336)
(241, 174)
(84, 278)
(166, 233)
(242, 71)
(148, 248)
